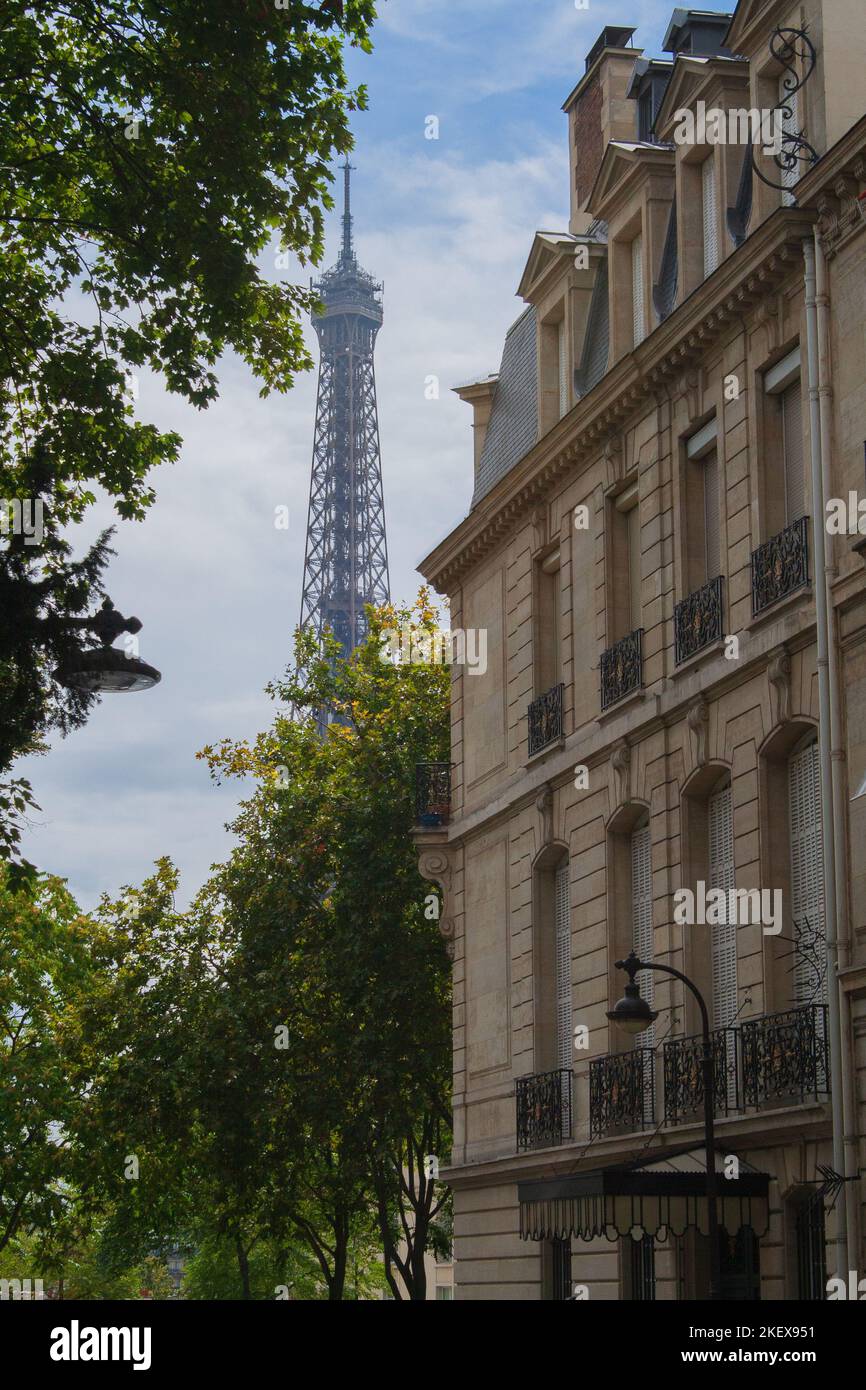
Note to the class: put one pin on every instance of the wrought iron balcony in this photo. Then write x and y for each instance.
(622, 668)
(621, 1092)
(432, 793)
(785, 1057)
(543, 1109)
(545, 719)
(684, 1076)
(698, 620)
(780, 565)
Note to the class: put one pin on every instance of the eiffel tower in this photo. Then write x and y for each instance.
(346, 561)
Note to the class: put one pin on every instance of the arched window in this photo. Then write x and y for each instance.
(807, 873)
(642, 916)
(720, 818)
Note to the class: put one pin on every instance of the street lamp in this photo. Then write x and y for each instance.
(634, 1015)
(105, 669)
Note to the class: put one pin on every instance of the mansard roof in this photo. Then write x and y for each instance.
(513, 427)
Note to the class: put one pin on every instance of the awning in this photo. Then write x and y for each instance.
(659, 1196)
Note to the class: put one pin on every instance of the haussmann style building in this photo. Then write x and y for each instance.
(673, 714)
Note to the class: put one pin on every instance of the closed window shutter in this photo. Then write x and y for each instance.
(807, 875)
(642, 918)
(711, 514)
(563, 370)
(724, 934)
(711, 236)
(792, 444)
(790, 126)
(632, 519)
(637, 297)
(563, 968)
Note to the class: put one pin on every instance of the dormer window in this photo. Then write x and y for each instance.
(710, 215)
(637, 290)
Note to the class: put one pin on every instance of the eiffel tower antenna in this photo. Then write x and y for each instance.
(346, 560)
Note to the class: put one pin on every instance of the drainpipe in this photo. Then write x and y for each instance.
(819, 535)
(837, 754)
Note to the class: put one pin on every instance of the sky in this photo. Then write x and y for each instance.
(447, 225)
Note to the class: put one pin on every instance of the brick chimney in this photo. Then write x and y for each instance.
(599, 110)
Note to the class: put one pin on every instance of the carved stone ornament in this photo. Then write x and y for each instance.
(620, 761)
(614, 461)
(544, 807)
(539, 527)
(779, 676)
(435, 866)
(698, 719)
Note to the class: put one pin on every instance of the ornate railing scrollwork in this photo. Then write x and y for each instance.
(622, 668)
(621, 1092)
(684, 1075)
(780, 565)
(789, 46)
(543, 1109)
(545, 719)
(432, 793)
(698, 620)
(786, 1057)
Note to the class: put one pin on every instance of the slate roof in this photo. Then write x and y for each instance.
(513, 426)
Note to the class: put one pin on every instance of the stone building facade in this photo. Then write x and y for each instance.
(644, 551)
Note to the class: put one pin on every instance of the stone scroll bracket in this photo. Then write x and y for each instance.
(436, 865)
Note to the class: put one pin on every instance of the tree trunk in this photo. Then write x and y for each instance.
(244, 1267)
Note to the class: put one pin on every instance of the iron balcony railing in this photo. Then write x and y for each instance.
(785, 1056)
(684, 1075)
(545, 719)
(698, 620)
(543, 1109)
(622, 668)
(780, 565)
(432, 793)
(621, 1092)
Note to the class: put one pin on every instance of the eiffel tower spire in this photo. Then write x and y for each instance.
(346, 561)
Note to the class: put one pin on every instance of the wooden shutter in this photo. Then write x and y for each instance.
(711, 232)
(711, 514)
(563, 369)
(562, 914)
(790, 126)
(792, 444)
(724, 934)
(637, 295)
(632, 521)
(807, 872)
(642, 918)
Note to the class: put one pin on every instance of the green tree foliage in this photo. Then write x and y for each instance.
(151, 152)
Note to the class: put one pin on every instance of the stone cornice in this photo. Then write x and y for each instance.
(744, 278)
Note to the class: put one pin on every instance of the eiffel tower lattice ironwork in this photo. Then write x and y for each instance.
(346, 562)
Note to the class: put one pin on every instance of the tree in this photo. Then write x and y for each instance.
(151, 151)
(48, 963)
(326, 888)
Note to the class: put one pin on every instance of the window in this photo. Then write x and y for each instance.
(705, 549)
(724, 934)
(562, 354)
(811, 1248)
(711, 233)
(637, 290)
(642, 1269)
(626, 557)
(547, 625)
(561, 1269)
(562, 913)
(784, 455)
(445, 1293)
(807, 874)
(642, 918)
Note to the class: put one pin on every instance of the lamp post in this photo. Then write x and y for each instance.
(106, 669)
(634, 1014)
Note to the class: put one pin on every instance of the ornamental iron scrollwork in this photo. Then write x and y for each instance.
(788, 46)
(780, 565)
(545, 719)
(543, 1109)
(622, 668)
(785, 1056)
(432, 793)
(684, 1075)
(621, 1092)
(698, 620)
